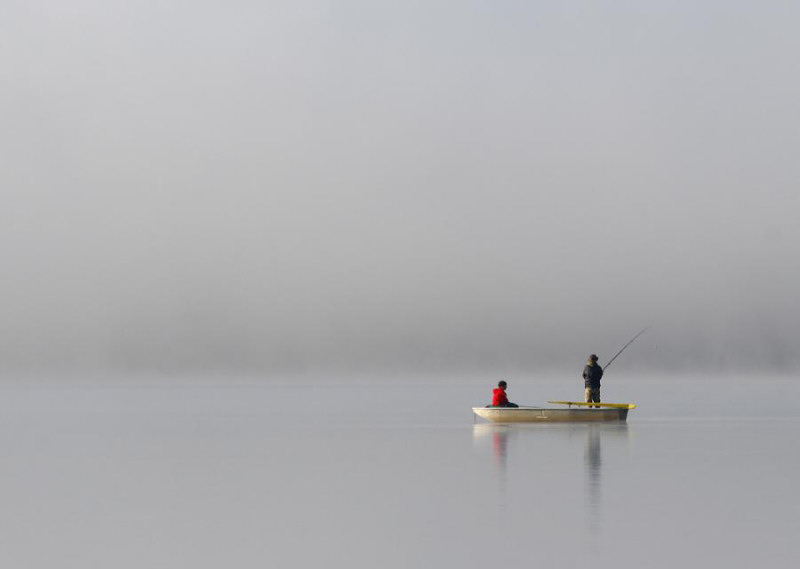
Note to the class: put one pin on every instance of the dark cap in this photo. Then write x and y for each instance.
(593, 357)
(502, 383)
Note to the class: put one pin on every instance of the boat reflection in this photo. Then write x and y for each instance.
(521, 449)
(498, 436)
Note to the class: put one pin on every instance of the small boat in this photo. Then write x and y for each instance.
(585, 412)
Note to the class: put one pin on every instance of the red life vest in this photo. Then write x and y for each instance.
(499, 396)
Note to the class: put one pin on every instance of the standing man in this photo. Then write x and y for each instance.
(591, 380)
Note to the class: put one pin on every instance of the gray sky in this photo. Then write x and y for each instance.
(405, 186)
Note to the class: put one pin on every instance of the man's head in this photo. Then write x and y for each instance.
(593, 358)
(502, 384)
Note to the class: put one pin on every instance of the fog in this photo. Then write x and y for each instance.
(284, 187)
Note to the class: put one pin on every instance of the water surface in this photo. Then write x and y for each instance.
(355, 474)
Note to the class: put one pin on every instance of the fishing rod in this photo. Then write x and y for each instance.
(642, 331)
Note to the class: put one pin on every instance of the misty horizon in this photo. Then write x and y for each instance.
(399, 187)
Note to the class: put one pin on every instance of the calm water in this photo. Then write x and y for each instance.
(705, 473)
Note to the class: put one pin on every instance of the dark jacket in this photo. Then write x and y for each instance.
(591, 375)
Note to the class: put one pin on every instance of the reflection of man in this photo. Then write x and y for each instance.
(499, 397)
(591, 380)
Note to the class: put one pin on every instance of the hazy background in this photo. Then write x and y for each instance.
(276, 187)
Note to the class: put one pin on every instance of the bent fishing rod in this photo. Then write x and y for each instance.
(642, 331)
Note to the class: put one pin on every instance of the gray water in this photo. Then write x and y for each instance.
(351, 474)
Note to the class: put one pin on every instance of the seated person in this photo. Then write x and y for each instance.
(499, 397)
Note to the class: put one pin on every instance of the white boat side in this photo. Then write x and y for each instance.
(543, 415)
